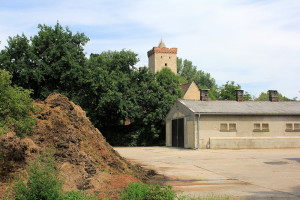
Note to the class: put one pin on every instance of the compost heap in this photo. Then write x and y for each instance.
(85, 160)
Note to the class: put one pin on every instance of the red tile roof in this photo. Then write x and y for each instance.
(185, 87)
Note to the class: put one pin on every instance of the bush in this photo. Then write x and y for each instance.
(43, 180)
(15, 107)
(140, 191)
(74, 195)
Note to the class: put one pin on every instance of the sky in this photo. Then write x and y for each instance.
(255, 43)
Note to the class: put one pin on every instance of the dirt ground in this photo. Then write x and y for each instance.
(242, 174)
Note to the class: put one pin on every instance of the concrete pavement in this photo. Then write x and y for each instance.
(247, 173)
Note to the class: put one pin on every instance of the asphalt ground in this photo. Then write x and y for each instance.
(241, 174)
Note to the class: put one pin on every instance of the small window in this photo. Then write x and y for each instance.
(297, 126)
(292, 127)
(160, 56)
(261, 127)
(228, 127)
(265, 127)
(165, 64)
(256, 126)
(223, 127)
(289, 126)
(232, 127)
(169, 57)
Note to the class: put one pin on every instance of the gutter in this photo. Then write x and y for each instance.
(249, 114)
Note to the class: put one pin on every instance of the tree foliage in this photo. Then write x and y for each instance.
(188, 73)
(228, 91)
(15, 107)
(264, 96)
(117, 92)
(52, 60)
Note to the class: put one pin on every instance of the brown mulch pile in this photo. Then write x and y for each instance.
(85, 160)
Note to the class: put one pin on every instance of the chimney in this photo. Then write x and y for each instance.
(204, 94)
(273, 95)
(239, 95)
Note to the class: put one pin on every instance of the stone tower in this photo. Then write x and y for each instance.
(161, 56)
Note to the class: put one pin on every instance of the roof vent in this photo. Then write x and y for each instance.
(239, 95)
(273, 95)
(204, 94)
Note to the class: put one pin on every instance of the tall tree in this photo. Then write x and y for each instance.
(186, 69)
(52, 60)
(188, 73)
(108, 96)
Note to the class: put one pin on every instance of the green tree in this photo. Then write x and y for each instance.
(227, 91)
(188, 73)
(163, 92)
(264, 96)
(51, 61)
(186, 69)
(15, 107)
(108, 95)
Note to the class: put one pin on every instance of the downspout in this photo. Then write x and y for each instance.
(198, 131)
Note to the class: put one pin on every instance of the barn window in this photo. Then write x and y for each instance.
(223, 127)
(289, 126)
(297, 126)
(232, 127)
(228, 127)
(264, 127)
(261, 127)
(292, 127)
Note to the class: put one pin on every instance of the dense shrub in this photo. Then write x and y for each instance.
(74, 195)
(15, 107)
(140, 191)
(43, 181)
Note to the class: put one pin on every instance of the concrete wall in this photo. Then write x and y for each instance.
(254, 142)
(193, 93)
(209, 127)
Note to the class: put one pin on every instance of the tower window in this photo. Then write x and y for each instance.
(165, 64)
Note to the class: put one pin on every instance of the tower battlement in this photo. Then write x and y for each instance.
(162, 50)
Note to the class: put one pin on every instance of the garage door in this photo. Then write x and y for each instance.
(178, 132)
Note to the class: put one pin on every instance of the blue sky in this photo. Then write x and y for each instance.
(255, 43)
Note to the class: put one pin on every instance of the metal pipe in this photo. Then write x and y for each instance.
(198, 132)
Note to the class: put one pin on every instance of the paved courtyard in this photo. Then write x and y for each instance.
(249, 174)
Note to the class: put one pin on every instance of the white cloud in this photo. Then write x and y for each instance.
(255, 43)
